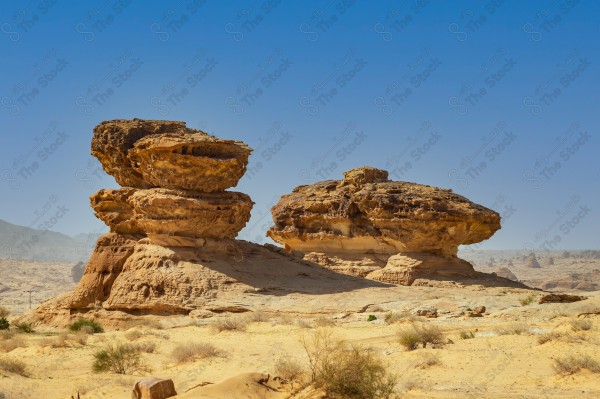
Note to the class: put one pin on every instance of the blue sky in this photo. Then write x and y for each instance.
(497, 100)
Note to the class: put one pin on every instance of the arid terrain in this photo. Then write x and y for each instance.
(506, 357)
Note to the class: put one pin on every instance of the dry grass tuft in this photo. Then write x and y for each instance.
(14, 366)
(410, 337)
(574, 363)
(395, 317)
(427, 359)
(258, 317)
(188, 352)
(323, 321)
(133, 335)
(230, 324)
(551, 336)
(119, 359)
(288, 369)
(146, 347)
(463, 334)
(4, 312)
(513, 329)
(581, 325)
(12, 344)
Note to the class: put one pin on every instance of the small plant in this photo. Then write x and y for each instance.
(513, 329)
(146, 347)
(4, 324)
(258, 317)
(289, 370)
(133, 335)
(372, 317)
(393, 317)
(572, 364)
(427, 360)
(86, 325)
(528, 300)
(191, 351)
(581, 325)
(59, 341)
(25, 328)
(353, 373)
(14, 366)
(466, 334)
(551, 336)
(119, 358)
(411, 337)
(230, 324)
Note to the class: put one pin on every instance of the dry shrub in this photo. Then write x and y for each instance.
(119, 359)
(551, 336)
(230, 324)
(4, 312)
(12, 344)
(60, 341)
(410, 337)
(286, 320)
(133, 335)
(191, 351)
(146, 347)
(581, 325)
(289, 370)
(258, 317)
(574, 363)
(347, 372)
(323, 321)
(81, 338)
(528, 300)
(303, 323)
(395, 317)
(6, 334)
(513, 329)
(427, 360)
(466, 334)
(14, 366)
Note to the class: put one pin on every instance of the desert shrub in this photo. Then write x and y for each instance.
(12, 344)
(4, 312)
(513, 329)
(323, 321)
(528, 300)
(4, 324)
(191, 351)
(230, 324)
(303, 323)
(146, 347)
(466, 334)
(86, 325)
(581, 325)
(60, 341)
(427, 360)
(410, 337)
(394, 317)
(81, 338)
(133, 335)
(346, 372)
(372, 317)
(258, 317)
(25, 328)
(547, 337)
(119, 359)
(573, 363)
(14, 366)
(289, 370)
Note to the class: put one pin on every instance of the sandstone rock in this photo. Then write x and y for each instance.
(366, 213)
(429, 313)
(561, 298)
(479, 310)
(145, 153)
(173, 212)
(153, 388)
(193, 161)
(532, 261)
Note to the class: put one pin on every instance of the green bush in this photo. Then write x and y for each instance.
(4, 324)
(119, 358)
(81, 323)
(372, 317)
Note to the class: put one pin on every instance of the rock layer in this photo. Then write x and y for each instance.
(367, 217)
(366, 213)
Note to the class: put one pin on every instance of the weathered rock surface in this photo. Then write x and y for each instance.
(173, 212)
(149, 153)
(505, 272)
(366, 213)
(153, 388)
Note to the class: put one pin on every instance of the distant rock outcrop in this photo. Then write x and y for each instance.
(366, 218)
(532, 261)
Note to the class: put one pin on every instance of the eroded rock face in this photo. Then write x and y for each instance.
(148, 153)
(173, 212)
(366, 213)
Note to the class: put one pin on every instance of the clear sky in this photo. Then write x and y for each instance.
(497, 100)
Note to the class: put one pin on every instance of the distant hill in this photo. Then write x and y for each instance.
(19, 242)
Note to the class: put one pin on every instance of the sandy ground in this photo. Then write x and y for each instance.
(497, 363)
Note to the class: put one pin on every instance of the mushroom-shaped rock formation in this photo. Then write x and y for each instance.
(146, 153)
(365, 218)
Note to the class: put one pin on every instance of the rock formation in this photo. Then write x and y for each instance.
(532, 261)
(390, 231)
(505, 272)
(171, 248)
